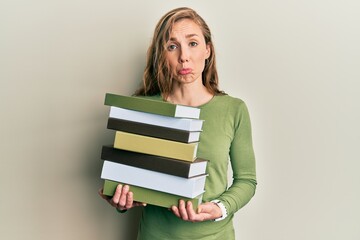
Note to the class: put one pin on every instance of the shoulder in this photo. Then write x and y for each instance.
(233, 104)
(236, 109)
(230, 99)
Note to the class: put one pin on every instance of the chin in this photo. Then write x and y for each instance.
(185, 79)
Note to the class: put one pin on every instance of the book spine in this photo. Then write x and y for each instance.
(140, 104)
(146, 161)
(149, 130)
(149, 196)
(155, 119)
(190, 188)
(155, 146)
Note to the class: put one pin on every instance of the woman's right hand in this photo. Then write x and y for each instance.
(122, 199)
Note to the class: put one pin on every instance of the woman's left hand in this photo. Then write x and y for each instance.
(205, 211)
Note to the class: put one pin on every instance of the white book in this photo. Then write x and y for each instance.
(155, 119)
(186, 187)
(194, 137)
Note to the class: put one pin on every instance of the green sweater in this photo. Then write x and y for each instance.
(226, 136)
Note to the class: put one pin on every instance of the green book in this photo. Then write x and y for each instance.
(149, 196)
(151, 106)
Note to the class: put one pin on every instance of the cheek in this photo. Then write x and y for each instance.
(201, 57)
(173, 64)
(172, 59)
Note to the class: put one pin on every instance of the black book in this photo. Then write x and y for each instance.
(153, 130)
(170, 166)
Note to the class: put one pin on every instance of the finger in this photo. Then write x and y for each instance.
(123, 196)
(175, 210)
(129, 200)
(115, 199)
(190, 211)
(182, 210)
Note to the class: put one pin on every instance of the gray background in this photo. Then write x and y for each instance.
(295, 63)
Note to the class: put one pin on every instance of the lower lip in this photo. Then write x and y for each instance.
(185, 71)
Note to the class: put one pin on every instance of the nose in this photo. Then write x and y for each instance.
(184, 55)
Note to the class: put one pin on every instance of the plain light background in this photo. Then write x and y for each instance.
(295, 63)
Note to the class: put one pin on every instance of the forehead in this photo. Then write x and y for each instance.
(185, 27)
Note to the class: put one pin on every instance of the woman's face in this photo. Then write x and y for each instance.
(187, 51)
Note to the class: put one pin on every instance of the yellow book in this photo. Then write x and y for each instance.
(155, 146)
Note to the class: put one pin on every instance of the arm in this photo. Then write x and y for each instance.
(233, 121)
(243, 165)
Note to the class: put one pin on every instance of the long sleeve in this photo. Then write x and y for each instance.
(242, 161)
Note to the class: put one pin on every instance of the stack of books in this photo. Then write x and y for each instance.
(154, 151)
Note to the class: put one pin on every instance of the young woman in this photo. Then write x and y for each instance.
(181, 69)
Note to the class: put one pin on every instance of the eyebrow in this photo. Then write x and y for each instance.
(187, 36)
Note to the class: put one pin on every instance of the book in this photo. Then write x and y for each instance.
(155, 146)
(153, 130)
(151, 106)
(185, 187)
(170, 166)
(186, 124)
(149, 196)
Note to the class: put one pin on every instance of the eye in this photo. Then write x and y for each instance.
(193, 44)
(171, 47)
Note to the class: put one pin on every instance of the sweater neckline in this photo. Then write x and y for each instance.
(200, 106)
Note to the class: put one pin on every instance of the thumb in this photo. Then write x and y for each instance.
(199, 210)
(204, 208)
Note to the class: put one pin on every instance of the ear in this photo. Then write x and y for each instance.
(208, 50)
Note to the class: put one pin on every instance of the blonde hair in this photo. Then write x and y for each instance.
(157, 78)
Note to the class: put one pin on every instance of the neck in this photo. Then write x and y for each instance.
(189, 94)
